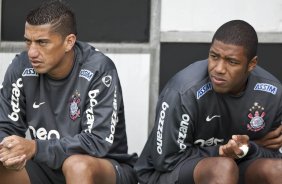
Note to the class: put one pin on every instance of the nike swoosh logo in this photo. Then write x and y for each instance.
(36, 106)
(208, 119)
(107, 80)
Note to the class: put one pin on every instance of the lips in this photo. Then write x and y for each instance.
(35, 63)
(217, 80)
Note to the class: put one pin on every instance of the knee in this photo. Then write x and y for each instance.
(79, 168)
(268, 170)
(216, 170)
(224, 165)
(272, 167)
(78, 165)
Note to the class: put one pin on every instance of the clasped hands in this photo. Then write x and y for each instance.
(272, 140)
(237, 147)
(15, 151)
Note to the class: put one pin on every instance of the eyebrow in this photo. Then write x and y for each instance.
(26, 39)
(213, 52)
(226, 57)
(38, 40)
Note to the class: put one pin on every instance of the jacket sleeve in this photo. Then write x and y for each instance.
(12, 102)
(256, 151)
(100, 119)
(172, 137)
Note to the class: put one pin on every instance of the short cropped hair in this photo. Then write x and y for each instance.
(56, 13)
(240, 33)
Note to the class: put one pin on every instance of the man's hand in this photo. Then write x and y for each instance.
(232, 148)
(272, 140)
(15, 150)
(15, 163)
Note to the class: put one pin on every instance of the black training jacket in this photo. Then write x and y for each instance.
(80, 114)
(192, 120)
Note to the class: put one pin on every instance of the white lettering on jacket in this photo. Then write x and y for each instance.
(203, 90)
(114, 119)
(165, 106)
(86, 74)
(42, 134)
(210, 142)
(15, 100)
(90, 111)
(266, 88)
(183, 131)
(29, 72)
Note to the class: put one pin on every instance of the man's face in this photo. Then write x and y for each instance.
(228, 67)
(46, 50)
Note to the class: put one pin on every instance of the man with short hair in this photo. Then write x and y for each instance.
(68, 95)
(218, 120)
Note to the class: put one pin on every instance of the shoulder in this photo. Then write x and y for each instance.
(189, 77)
(20, 64)
(262, 80)
(92, 58)
(262, 75)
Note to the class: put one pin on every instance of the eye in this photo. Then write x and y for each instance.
(27, 42)
(213, 56)
(233, 62)
(42, 42)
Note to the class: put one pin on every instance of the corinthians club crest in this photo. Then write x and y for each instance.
(256, 115)
(74, 109)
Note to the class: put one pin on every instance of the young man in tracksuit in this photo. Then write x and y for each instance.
(67, 94)
(218, 120)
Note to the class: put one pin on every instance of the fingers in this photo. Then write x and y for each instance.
(6, 154)
(231, 149)
(274, 133)
(15, 163)
(273, 146)
(241, 139)
(237, 147)
(272, 143)
(272, 140)
(6, 142)
(9, 149)
(14, 160)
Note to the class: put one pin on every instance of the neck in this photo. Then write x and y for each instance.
(65, 67)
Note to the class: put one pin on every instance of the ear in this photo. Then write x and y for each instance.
(252, 64)
(69, 42)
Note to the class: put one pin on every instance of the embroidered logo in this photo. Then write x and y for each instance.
(107, 80)
(29, 72)
(74, 109)
(266, 88)
(86, 74)
(203, 90)
(208, 119)
(256, 115)
(36, 106)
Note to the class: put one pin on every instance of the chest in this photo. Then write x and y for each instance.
(53, 108)
(221, 117)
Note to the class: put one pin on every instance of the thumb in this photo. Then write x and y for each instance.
(241, 139)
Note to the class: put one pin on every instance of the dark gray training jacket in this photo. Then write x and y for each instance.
(192, 120)
(80, 114)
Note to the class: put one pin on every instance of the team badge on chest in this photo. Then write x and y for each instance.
(256, 115)
(74, 109)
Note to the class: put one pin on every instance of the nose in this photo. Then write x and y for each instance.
(33, 51)
(220, 66)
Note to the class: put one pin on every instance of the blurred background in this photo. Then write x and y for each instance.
(151, 40)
